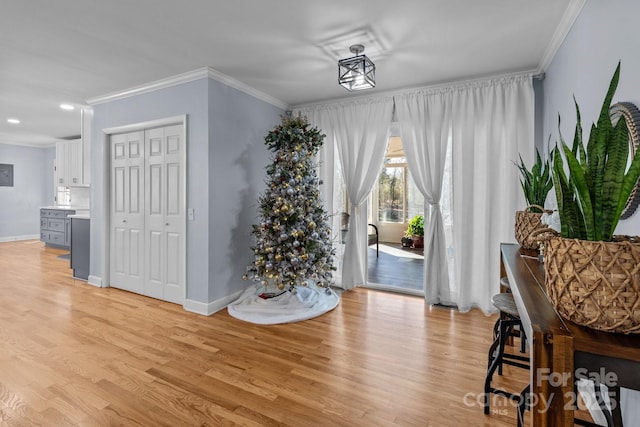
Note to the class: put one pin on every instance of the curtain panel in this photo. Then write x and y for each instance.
(488, 124)
(360, 131)
(460, 142)
(425, 124)
(330, 175)
(493, 123)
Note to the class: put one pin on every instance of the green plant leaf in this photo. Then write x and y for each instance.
(617, 156)
(578, 182)
(578, 144)
(570, 219)
(536, 183)
(592, 196)
(602, 142)
(537, 165)
(415, 227)
(630, 179)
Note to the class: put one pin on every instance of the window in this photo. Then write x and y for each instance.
(391, 194)
(398, 198)
(63, 195)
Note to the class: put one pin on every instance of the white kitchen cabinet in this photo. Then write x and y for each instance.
(73, 158)
(75, 164)
(61, 164)
(87, 121)
(70, 164)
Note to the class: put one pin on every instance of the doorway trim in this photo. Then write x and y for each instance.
(106, 194)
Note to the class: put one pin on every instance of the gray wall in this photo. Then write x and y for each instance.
(32, 189)
(604, 33)
(237, 159)
(225, 156)
(188, 98)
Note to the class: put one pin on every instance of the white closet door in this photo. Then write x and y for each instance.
(127, 212)
(164, 204)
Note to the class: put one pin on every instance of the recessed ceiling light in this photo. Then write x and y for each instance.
(67, 107)
(13, 121)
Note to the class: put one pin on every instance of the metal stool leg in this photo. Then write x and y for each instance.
(503, 331)
(523, 404)
(496, 362)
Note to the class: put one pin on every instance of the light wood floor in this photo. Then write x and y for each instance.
(73, 354)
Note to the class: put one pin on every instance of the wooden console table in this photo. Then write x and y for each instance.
(560, 349)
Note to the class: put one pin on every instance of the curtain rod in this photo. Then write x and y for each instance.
(398, 92)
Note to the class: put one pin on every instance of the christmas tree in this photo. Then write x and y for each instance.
(293, 239)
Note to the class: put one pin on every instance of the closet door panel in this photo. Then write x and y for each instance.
(154, 141)
(148, 212)
(174, 213)
(127, 211)
(117, 262)
(154, 285)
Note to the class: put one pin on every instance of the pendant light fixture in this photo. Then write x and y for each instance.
(358, 72)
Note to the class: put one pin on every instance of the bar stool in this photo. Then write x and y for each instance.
(504, 284)
(506, 287)
(503, 329)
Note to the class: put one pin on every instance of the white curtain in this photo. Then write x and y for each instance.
(488, 124)
(493, 123)
(331, 189)
(360, 129)
(484, 126)
(425, 123)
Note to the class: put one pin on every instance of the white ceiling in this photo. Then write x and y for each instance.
(70, 50)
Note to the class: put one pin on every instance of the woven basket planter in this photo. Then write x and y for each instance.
(595, 284)
(529, 229)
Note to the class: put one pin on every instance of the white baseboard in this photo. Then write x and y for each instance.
(207, 309)
(95, 281)
(395, 289)
(16, 238)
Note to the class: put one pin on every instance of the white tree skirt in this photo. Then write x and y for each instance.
(308, 302)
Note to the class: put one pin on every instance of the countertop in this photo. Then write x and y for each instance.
(80, 210)
(80, 216)
(61, 207)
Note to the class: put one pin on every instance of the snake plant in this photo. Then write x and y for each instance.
(592, 196)
(536, 183)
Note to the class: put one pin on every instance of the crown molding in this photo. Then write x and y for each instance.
(175, 120)
(236, 84)
(200, 73)
(28, 144)
(569, 17)
(150, 87)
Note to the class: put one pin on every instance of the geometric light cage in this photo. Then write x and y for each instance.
(358, 72)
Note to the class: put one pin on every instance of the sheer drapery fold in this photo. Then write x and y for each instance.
(493, 123)
(483, 126)
(360, 130)
(330, 175)
(489, 124)
(425, 123)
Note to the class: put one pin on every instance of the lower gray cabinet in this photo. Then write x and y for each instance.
(67, 231)
(55, 227)
(80, 247)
